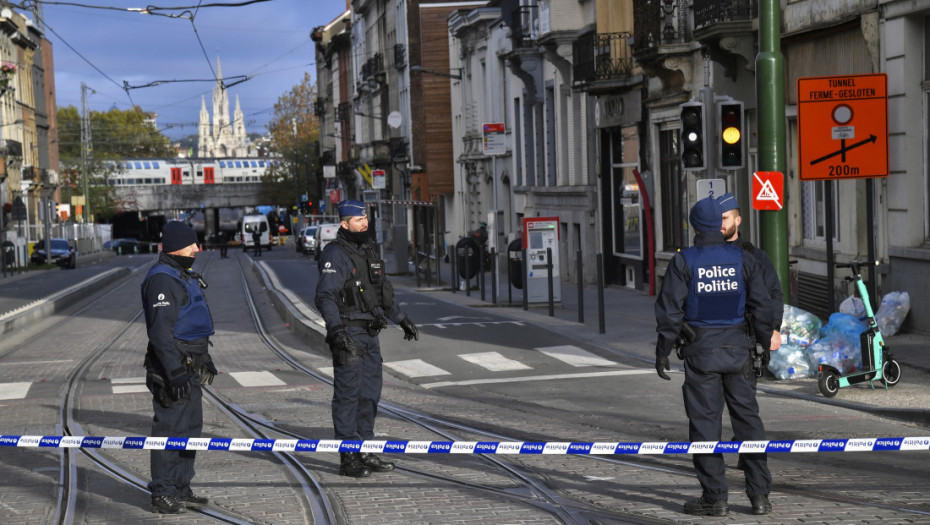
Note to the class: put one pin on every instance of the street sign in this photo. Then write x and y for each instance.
(495, 139)
(378, 179)
(768, 190)
(712, 188)
(843, 126)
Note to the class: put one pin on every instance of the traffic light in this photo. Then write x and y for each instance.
(693, 145)
(730, 127)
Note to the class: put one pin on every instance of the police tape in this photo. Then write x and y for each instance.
(471, 447)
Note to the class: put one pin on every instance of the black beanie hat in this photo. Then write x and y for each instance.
(177, 235)
(706, 215)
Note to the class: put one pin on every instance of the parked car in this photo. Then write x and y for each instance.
(325, 233)
(62, 252)
(306, 241)
(125, 246)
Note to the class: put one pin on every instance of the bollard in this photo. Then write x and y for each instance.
(509, 284)
(549, 282)
(455, 275)
(481, 270)
(580, 266)
(526, 304)
(416, 263)
(600, 294)
(493, 277)
(467, 279)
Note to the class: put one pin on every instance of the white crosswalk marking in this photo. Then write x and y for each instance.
(494, 361)
(249, 379)
(14, 390)
(128, 385)
(575, 356)
(416, 368)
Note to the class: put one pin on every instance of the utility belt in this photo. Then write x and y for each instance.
(372, 326)
(690, 333)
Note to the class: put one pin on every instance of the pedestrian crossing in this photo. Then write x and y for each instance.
(550, 357)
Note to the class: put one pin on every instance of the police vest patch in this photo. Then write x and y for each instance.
(717, 279)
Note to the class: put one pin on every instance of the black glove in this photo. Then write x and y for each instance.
(661, 366)
(410, 330)
(207, 373)
(344, 349)
(766, 357)
(179, 387)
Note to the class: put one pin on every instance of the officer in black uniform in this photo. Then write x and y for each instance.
(177, 362)
(708, 291)
(355, 297)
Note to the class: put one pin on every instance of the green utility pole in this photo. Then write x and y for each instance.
(770, 88)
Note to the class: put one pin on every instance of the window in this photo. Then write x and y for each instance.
(155, 165)
(222, 163)
(138, 165)
(148, 181)
(261, 164)
(814, 214)
(238, 164)
(674, 194)
(254, 164)
(146, 165)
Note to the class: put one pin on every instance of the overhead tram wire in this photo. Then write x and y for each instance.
(85, 59)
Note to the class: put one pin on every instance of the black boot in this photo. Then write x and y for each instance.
(376, 464)
(351, 465)
(166, 505)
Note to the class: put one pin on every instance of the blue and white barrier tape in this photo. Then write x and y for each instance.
(471, 447)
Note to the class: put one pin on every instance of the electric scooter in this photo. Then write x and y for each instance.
(877, 361)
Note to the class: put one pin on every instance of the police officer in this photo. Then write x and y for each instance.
(708, 290)
(177, 362)
(354, 297)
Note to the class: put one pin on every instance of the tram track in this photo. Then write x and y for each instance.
(548, 497)
(67, 508)
(538, 494)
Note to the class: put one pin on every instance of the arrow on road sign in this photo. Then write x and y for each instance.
(844, 148)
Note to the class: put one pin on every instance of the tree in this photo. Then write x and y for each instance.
(295, 134)
(115, 135)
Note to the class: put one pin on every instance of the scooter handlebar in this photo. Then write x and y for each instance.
(854, 264)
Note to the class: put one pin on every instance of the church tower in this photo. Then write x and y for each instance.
(224, 138)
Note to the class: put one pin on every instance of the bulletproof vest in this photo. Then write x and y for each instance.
(366, 290)
(194, 319)
(717, 291)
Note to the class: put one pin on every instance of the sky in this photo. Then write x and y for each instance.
(268, 41)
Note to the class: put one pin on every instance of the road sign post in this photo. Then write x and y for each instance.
(843, 127)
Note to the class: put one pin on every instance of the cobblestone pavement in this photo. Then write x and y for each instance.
(809, 488)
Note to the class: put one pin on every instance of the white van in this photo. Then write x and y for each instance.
(325, 234)
(252, 223)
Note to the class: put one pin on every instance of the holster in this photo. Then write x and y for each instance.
(687, 335)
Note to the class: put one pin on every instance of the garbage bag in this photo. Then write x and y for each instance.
(790, 362)
(890, 315)
(853, 306)
(799, 327)
(838, 345)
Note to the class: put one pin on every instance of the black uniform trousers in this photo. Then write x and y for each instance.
(173, 470)
(713, 378)
(357, 389)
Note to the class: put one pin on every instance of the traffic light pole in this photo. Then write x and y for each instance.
(770, 81)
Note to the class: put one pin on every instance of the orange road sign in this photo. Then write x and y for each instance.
(843, 126)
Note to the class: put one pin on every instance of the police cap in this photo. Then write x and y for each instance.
(350, 208)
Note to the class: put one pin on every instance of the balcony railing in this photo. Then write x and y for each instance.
(400, 56)
(602, 56)
(709, 12)
(373, 66)
(659, 22)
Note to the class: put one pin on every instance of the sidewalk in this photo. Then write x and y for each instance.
(629, 331)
